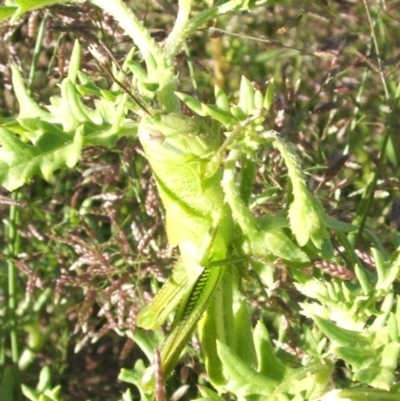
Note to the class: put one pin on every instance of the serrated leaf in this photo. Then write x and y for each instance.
(53, 150)
(75, 103)
(306, 215)
(307, 220)
(268, 363)
(343, 337)
(375, 376)
(243, 380)
(359, 358)
(87, 87)
(28, 108)
(387, 272)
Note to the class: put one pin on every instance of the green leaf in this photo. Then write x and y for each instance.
(44, 397)
(358, 357)
(221, 100)
(311, 380)
(338, 225)
(360, 394)
(242, 333)
(307, 220)
(341, 336)
(269, 95)
(44, 379)
(208, 394)
(29, 393)
(243, 380)
(191, 102)
(387, 272)
(306, 215)
(238, 113)
(133, 376)
(75, 103)
(375, 376)
(53, 149)
(363, 280)
(28, 108)
(28, 5)
(268, 364)
(258, 100)
(75, 62)
(7, 12)
(224, 117)
(246, 93)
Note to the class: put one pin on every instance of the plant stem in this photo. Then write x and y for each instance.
(36, 53)
(177, 36)
(13, 249)
(369, 197)
(134, 28)
(159, 66)
(393, 104)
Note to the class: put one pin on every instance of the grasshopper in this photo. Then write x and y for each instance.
(197, 221)
(201, 201)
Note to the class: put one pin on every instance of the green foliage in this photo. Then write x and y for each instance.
(40, 142)
(43, 391)
(256, 238)
(16, 8)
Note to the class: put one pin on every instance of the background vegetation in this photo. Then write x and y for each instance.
(86, 247)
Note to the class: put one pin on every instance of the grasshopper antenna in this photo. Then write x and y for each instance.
(102, 54)
(98, 54)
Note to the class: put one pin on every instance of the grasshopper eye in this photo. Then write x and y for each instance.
(152, 137)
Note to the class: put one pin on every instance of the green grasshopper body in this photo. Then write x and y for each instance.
(197, 221)
(201, 202)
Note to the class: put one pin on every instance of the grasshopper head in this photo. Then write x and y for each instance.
(173, 137)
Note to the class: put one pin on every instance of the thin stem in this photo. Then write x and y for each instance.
(377, 51)
(36, 53)
(134, 28)
(13, 249)
(369, 196)
(392, 120)
(272, 43)
(159, 65)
